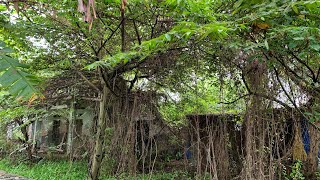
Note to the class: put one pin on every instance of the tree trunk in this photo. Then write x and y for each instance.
(99, 142)
(70, 129)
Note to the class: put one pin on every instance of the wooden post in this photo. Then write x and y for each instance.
(70, 129)
(34, 141)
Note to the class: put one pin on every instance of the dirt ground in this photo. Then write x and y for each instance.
(6, 176)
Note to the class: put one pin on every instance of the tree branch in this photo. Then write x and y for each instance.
(231, 102)
(318, 73)
(272, 99)
(123, 41)
(110, 36)
(284, 90)
(132, 82)
(153, 26)
(306, 65)
(137, 32)
(91, 44)
(85, 79)
(245, 82)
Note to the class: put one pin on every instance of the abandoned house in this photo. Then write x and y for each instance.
(56, 130)
(217, 142)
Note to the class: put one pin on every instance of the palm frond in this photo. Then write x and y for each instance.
(15, 79)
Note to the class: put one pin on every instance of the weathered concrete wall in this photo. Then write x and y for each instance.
(53, 129)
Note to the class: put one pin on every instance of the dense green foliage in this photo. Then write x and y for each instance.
(198, 56)
(212, 31)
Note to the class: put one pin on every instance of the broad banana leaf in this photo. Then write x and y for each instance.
(15, 79)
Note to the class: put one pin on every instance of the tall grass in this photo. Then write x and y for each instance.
(64, 170)
(47, 170)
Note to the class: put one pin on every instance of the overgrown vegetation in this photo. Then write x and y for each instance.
(222, 88)
(46, 169)
(64, 170)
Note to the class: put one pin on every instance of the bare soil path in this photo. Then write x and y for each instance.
(6, 176)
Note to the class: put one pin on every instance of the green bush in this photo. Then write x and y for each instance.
(296, 172)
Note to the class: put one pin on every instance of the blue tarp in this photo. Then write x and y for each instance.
(305, 134)
(188, 151)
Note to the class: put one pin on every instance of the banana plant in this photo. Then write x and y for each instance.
(15, 79)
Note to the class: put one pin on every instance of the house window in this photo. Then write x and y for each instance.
(78, 127)
(56, 132)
